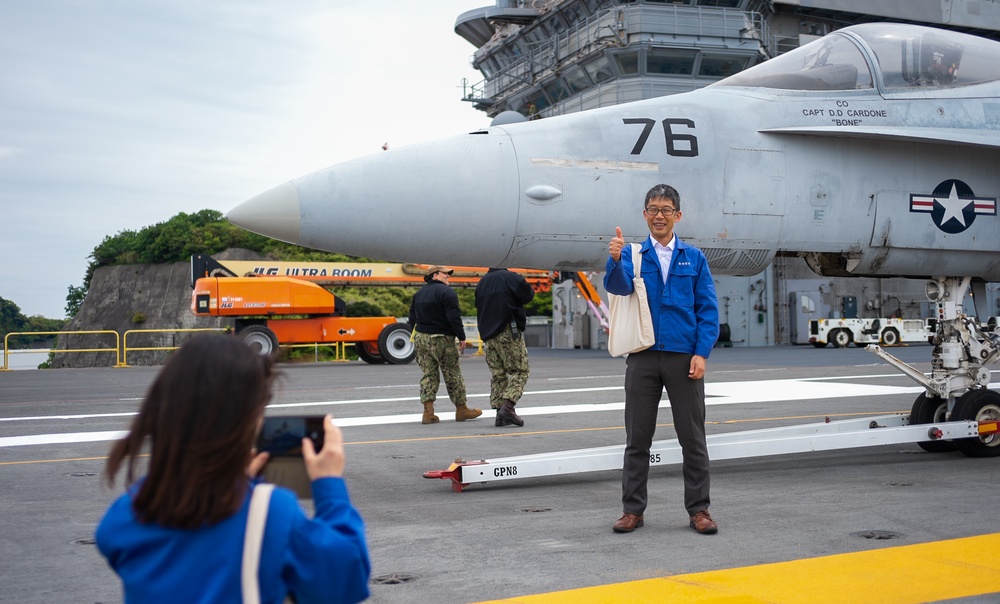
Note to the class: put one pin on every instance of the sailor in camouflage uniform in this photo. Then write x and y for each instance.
(500, 299)
(438, 335)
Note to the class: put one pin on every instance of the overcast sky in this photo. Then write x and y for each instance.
(118, 114)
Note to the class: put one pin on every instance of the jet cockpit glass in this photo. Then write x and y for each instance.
(911, 57)
(833, 62)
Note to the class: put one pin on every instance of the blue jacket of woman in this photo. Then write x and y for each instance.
(685, 311)
(320, 560)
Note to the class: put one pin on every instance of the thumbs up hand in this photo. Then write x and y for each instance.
(616, 244)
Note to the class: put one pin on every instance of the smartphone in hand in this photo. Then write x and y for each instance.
(282, 435)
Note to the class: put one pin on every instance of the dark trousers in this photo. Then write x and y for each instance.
(646, 375)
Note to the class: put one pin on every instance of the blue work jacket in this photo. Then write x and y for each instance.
(685, 311)
(322, 560)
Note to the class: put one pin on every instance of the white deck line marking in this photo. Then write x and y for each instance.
(723, 393)
(60, 439)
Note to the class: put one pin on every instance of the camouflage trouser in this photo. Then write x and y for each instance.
(508, 362)
(439, 352)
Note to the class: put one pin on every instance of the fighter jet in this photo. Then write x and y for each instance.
(869, 152)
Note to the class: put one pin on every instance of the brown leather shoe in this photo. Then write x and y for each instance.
(627, 523)
(703, 523)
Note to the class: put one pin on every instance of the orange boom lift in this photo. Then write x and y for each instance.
(277, 303)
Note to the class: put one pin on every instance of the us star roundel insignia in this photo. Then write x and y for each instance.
(953, 206)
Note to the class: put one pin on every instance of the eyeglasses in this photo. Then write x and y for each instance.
(667, 212)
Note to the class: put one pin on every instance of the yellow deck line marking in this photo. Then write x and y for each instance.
(909, 574)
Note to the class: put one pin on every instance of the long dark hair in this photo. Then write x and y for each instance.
(200, 416)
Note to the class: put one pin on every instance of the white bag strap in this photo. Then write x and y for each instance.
(636, 261)
(260, 500)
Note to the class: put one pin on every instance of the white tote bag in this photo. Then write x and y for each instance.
(631, 326)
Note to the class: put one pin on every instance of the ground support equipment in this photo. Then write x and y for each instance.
(825, 436)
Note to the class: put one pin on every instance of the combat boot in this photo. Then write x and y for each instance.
(463, 413)
(501, 421)
(507, 413)
(429, 417)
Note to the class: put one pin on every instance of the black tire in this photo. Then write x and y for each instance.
(978, 405)
(840, 338)
(890, 337)
(931, 410)
(368, 352)
(260, 338)
(394, 344)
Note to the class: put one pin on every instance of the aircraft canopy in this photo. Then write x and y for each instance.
(906, 56)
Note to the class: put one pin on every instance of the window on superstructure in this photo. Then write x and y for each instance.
(556, 90)
(719, 3)
(574, 14)
(670, 61)
(721, 66)
(577, 79)
(538, 100)
(526, 108)
(627, 62)
(487, 68)
(557, 25)
(600, 70)
(535, 34)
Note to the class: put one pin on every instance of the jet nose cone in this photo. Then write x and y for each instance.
(274, 213)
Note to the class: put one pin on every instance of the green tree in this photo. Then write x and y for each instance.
(11, 318)
(74, 299)
(389, 301)
(12, 321)
(540, 306)
(295, 253)
(204, 232)
(40, 323)
(467, 301)
(363, 308)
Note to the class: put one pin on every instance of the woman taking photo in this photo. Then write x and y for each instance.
(177, 533)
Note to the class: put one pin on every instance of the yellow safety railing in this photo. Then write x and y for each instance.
(472, 338)
(7, 350)
(478, 344)
(122, 351)
(339, 349)
(123, 362)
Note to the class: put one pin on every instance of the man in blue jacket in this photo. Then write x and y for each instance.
(685, 315)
